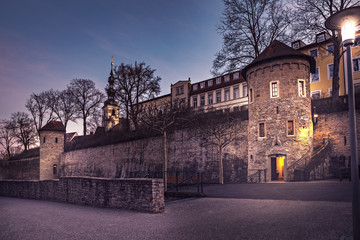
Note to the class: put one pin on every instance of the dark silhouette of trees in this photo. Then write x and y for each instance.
(7, 138)
(62, 104)
(247, 28)
(87, 99)
(39, 109)
(161, 118)
(23, 129)
(219, 130)
(134, 84)
(308, 20)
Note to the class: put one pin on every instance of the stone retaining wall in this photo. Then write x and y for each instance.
(145, 195)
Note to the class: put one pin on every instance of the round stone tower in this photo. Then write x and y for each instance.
(51, 147)
(280, 124)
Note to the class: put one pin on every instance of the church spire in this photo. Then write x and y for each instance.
(112, 64)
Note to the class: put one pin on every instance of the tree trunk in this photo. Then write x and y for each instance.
(165, 161)
(84, 126)
(221, 168)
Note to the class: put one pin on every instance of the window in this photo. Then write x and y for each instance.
(290, 128)
(218, 80)
(194, 101)
(357, 41)
(301, 85)
(227, 78)
(330, 71)
(227, 94)
(195, 87)
(202, 100)
(236, 92)
(356, 64)
(316, 94)
(314, 53)
(56, 140)
(218, 97)
(296, 45)
(55, 169)
(113, 112)
(320, 38)
(261, 130)
(210, 98)
(236, 75)
(274, 91)
(180, 90)
(44, 139)
(330, 49)
(251, 97)
(330, 92)
(202, 85)
(236, 109)
(245, 90)
(315, 76)
(182, 103)
(210, 83)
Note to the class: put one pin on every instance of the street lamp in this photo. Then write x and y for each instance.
(347, 20)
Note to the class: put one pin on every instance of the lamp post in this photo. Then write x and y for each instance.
(346, 20)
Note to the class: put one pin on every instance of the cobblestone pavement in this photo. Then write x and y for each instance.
(205, 218)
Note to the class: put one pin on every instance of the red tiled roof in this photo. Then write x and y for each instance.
(53, 126)
(278, 50)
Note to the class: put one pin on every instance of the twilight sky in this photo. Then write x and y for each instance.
(46, 43)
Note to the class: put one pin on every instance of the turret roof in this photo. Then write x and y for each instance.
(53, 126)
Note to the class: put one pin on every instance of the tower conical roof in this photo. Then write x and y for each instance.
(279, 50)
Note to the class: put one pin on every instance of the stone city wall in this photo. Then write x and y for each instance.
(24, 169)
(188, 150)
(146, 195)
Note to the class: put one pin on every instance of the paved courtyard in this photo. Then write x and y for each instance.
(235, 213)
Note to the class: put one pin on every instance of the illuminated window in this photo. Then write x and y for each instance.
(218, 97)
(274, 90)
(202, 100)
(315, 76)
(290, 128)
(210, 83)
(301, 85)
(210, 99)
(314, 53)
(194, 101)
(330, 71)
(262, 130)
(227, 94)
(236, 92)
(54, 169)
(251, 97)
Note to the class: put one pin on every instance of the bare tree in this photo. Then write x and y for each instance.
(219, 130)
(134, 84)
(38, 107)
(309, 19)
(7, 138)
(247, 28)
(161, 118)
(87, 99)
(62, 104)
(23, 129)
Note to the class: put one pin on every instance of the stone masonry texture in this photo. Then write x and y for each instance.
(145, 195)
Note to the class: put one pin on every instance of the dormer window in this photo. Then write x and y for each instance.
(296, 45)
(320, 38)
(210, 83)
(227, 78)
(195, 87)
(202, 85)
(236, 75)
(218, 80)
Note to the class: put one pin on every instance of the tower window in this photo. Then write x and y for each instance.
(44, 139)
(113, 112)
(290, 128)
(301, 85)
(56, 140)
(262, 133)
(251, 98)
(274, 90)
(55, 169)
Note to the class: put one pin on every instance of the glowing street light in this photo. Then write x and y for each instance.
(347, 20)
